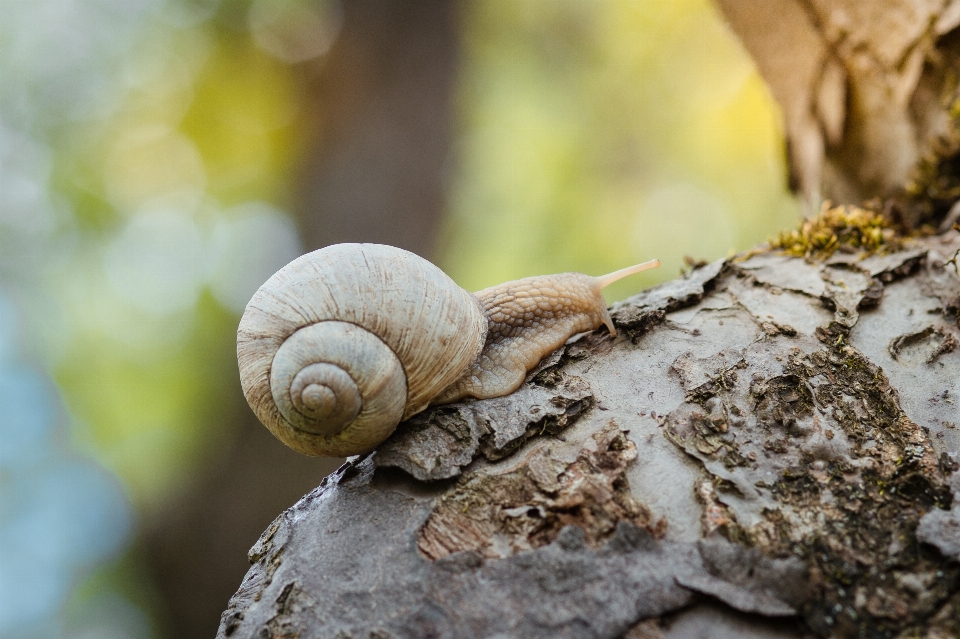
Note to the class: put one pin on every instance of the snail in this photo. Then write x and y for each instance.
(344, 343)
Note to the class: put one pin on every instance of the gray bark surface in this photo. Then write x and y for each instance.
(767, 448)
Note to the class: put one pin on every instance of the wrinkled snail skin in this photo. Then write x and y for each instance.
(527, 320)
(343, 343)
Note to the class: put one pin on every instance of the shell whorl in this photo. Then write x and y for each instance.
(333, 375)
(343, 343)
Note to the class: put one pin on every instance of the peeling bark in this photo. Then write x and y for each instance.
(768, 448)
(527, 508)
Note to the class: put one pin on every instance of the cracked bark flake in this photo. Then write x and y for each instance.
(736, 403)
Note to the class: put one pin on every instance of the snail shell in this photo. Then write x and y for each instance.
(343, 343)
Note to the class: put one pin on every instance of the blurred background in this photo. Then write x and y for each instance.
(159, 159)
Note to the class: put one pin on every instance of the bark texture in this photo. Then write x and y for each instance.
(767, 448)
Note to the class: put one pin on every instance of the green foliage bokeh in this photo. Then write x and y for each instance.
(597, 135)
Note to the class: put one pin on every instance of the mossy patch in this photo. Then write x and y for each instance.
(839, 228)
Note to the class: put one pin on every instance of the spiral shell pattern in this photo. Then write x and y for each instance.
(343, 343)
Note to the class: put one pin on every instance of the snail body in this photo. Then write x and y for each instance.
(343, 343)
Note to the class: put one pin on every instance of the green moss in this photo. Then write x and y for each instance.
(838, 228)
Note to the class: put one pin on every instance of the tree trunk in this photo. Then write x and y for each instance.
(768, 447)
(869, 94)
(384, 101)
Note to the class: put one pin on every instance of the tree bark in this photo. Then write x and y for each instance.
(869, 93)
(768, 447)
(765, 440)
